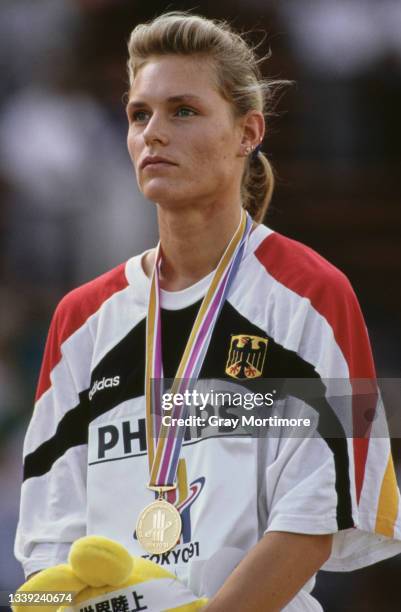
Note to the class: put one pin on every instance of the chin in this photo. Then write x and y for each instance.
(164, 193)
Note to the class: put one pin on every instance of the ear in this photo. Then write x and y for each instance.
(253, 130)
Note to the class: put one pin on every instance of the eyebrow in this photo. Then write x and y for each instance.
(170, 99)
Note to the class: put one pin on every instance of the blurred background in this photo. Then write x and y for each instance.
(70, 208)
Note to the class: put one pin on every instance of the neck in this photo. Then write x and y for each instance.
(193, 242)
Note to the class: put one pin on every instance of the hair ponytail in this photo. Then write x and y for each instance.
(257, 186)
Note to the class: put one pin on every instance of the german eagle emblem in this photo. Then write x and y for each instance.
(246, 356)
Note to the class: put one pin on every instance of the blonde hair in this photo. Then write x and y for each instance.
(239, 80)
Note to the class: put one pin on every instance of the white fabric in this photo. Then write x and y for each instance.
(152, 595)
(242, 487)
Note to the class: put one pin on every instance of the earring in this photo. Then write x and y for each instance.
(248, 150)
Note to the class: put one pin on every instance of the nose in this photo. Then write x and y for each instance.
(155, 130)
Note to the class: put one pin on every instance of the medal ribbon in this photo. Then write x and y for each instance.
(165, 442)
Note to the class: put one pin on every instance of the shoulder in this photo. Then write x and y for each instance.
(90, 296)
(302, 270)
(72, 313)
(81, 303)
(304, 283)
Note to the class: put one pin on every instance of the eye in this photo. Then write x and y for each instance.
(139, 116)
(184, 111)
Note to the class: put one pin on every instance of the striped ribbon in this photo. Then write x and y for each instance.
(164, 442)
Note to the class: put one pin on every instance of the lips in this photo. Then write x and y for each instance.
(156, 160)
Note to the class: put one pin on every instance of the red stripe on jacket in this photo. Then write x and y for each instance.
(71, 313)
(308, 274)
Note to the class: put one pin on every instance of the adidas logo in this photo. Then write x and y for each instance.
(105, 383)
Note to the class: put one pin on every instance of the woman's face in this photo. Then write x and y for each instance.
(176, 113)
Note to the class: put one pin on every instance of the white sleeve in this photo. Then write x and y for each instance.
(343, 485)
(300, 487)
(53, 493)
(309, 488)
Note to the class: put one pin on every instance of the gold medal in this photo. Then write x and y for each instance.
(159, 527)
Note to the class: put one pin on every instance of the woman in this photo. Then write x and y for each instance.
(230, 291)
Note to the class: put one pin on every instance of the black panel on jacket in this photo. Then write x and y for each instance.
(127, 360)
